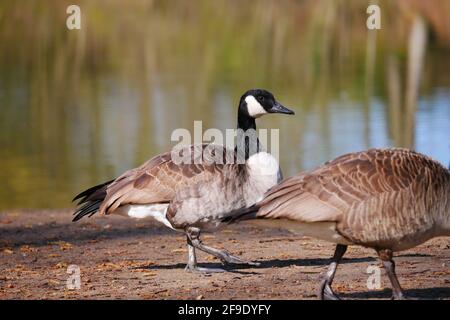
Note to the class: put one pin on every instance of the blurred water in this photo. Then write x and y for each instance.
(80, 107)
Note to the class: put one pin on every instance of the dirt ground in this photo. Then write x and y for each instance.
(121, 258)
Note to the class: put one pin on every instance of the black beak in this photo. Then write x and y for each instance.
(279, 108)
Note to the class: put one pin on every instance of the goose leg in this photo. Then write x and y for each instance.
(326, 293)
(389, 264)
(192, 242)
(192, 261)
(192, 258)
(224, 256)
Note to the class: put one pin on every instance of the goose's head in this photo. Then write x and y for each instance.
(258, 102)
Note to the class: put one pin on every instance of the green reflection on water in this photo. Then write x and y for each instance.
(80, 107)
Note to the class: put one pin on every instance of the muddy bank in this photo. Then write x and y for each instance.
(121, 258)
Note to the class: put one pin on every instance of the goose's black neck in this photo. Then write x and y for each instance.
(247, 143)
(245, 122)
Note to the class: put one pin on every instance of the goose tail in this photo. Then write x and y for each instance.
(90, 200)
(241, 214)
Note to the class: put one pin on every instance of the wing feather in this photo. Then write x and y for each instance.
(326, 193)
(157, 180)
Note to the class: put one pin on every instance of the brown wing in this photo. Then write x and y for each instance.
(157, 180)
(327, 192)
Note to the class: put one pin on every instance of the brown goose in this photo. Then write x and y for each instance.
(385, 199)
(146, 191)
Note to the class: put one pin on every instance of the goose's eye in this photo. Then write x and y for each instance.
(260, 98)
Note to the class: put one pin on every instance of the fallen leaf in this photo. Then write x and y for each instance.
(53, 282)
(27, 248)
(61, 265)
(109, 266)
(228, 231)
(179, 250)
(65, 246)
(150, 274)
(211, 258)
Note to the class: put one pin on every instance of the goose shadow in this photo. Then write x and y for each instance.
(227, 268)
(413, 255)
(413, 294)
(263, 264)
(41, 235)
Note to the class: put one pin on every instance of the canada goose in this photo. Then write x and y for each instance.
(385, 199)
(146, 191)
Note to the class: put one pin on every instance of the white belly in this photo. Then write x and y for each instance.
(320, 230)
(156, 211)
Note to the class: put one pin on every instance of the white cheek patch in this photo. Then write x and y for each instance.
(254, 108)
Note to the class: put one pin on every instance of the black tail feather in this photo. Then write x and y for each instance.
(88, 209)
(86, 193)
(241, 214)
(90, 200)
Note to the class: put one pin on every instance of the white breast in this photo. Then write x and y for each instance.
(264, 173)
(263, 164)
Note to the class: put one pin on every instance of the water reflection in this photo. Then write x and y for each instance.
(79, 107)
